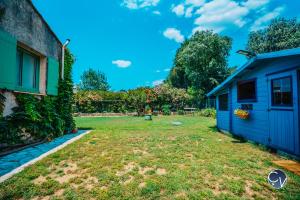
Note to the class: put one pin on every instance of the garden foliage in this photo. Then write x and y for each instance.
(132, 100)
(208, 112)
(39, 118)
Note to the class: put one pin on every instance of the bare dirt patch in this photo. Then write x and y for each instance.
(140, 152)
(144, 170)
(40, 180)
(161, 171)
(59, 193)
(64, 172)
(127, 168)
(63, 179)
(181, 195)
(142, 185)
(127, 181)
(172, 138)
(42, 198)
(248, 190)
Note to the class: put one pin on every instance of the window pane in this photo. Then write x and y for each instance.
(19, 65)
(247, 90)
(28, 71)
(282, 92)
(223, 102)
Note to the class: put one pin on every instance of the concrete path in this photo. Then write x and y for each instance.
(15, 160)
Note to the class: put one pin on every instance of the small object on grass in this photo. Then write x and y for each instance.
(148, 117)
(176, 123)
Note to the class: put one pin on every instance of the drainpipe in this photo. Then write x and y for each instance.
(63, 58)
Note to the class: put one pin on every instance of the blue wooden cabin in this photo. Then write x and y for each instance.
(268, 87)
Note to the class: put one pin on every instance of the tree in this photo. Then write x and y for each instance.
(177, 76)
(279, 35)
(201, 63)
(93, 80)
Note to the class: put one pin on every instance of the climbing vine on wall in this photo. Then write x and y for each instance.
(2, 100)
(65, 94)
(44, 117)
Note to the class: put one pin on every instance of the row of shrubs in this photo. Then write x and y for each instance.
(162, 98)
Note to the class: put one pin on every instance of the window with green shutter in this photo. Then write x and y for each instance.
(8, 61)
(52, 76)
(28, 71)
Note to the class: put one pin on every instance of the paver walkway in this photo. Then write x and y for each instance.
(17, 159)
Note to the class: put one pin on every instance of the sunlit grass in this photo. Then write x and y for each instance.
(130, 158)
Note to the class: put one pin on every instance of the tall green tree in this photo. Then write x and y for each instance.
(177, 76)
(94, 80)
(279, 35)
(201, 64)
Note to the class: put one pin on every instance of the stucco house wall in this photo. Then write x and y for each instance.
(21, 20)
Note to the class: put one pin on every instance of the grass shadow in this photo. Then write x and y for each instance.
(239, 139)
(85, 128)
(214, 128)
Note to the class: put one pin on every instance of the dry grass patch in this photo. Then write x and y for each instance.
(130, 158)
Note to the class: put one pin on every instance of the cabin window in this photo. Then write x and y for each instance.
(282, 92)
(247, 91)
(28, 70)
(223, 102)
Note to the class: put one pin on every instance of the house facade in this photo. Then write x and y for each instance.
(267, 87)
(30, 52)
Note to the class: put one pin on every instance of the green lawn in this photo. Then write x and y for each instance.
(129, 158)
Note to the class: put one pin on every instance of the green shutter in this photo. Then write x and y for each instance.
(8, 61)
(52, 77)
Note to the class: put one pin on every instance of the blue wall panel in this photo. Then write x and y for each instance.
(261, 125)
(223, 120)
(223, 117)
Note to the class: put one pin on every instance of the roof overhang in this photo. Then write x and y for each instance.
(251, 63)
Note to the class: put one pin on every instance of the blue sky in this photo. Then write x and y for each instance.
(134, 41)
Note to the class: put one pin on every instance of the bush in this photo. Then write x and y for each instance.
(208, 112)
(180, 112)
(166, 110)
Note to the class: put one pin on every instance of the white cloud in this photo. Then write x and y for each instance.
(218, 15)
(167, 69)
(156, 12)
(158, 71)
(178, 10)
(263, 21)
(174, 34)
(158, 82)
(122, 63)
(195, 3)
(254, 4)
(137, 4)
(189, 12)
(186, 8)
